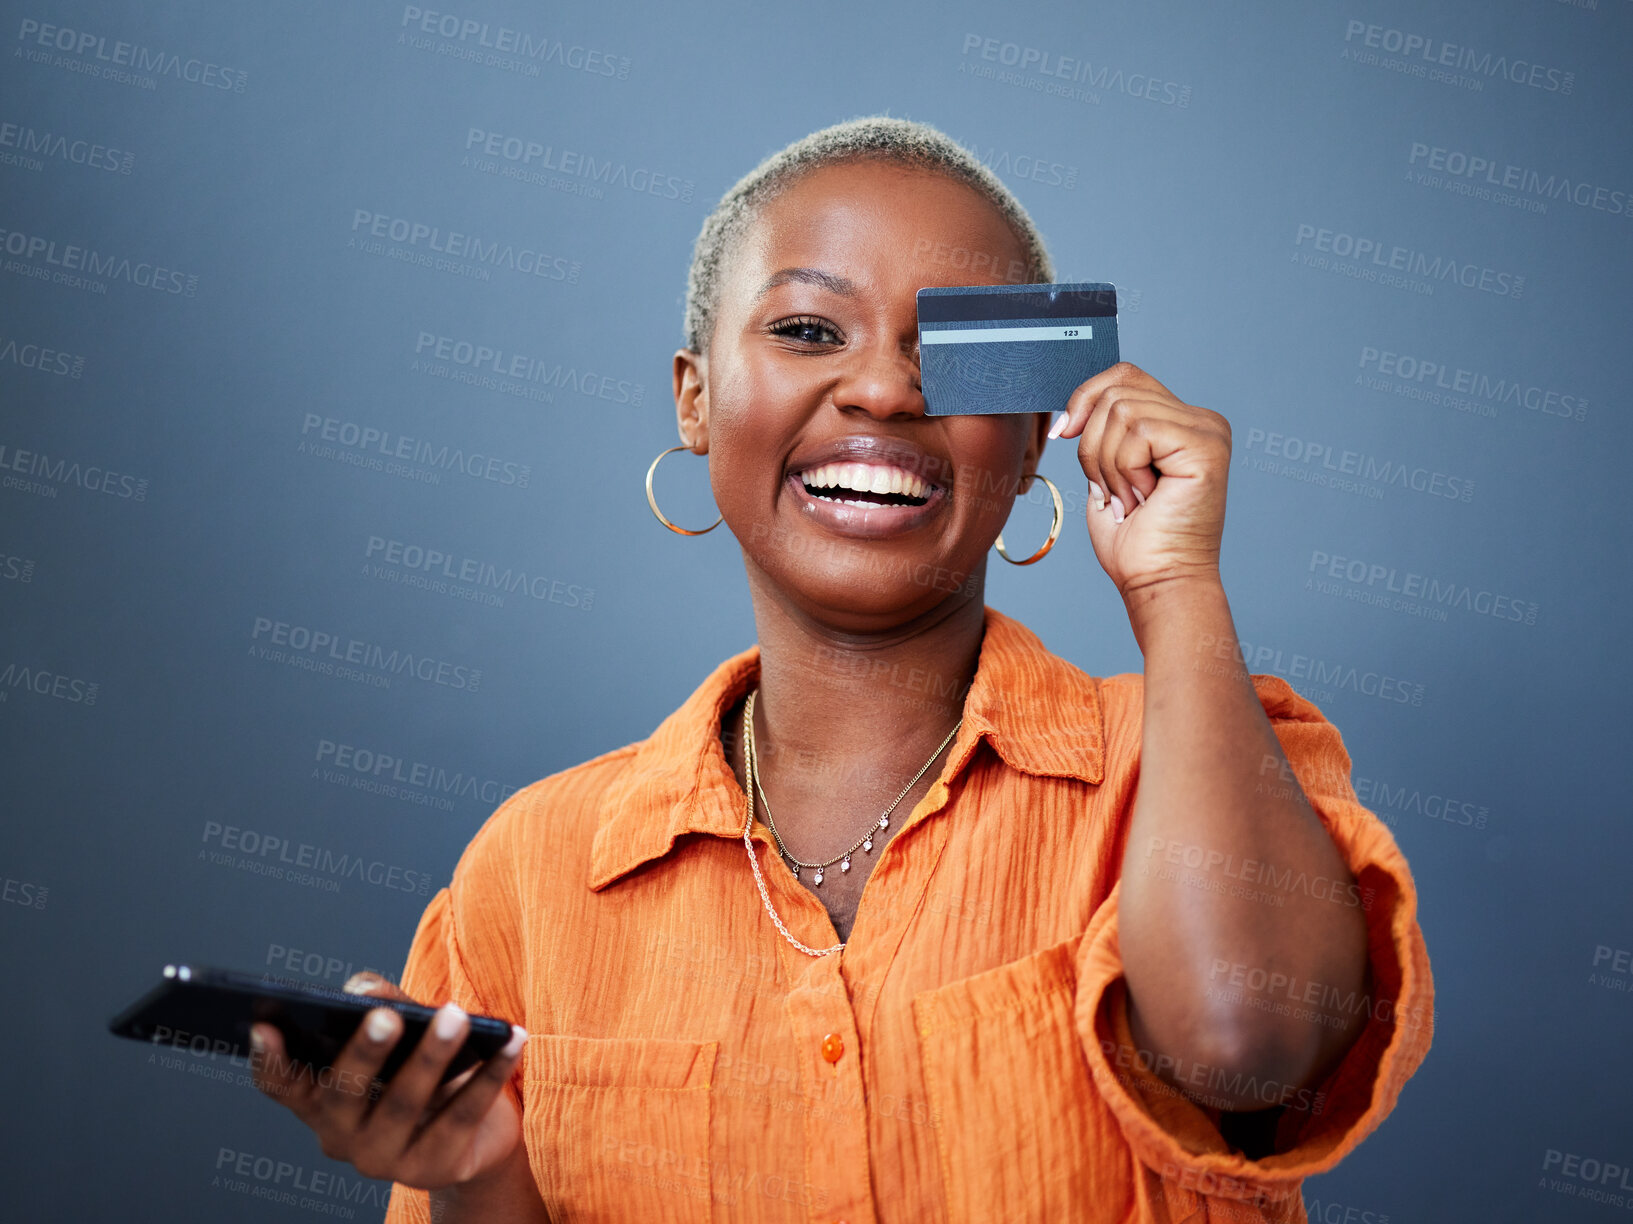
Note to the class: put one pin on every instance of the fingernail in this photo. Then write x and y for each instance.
(1138, 496)
(359, 984)
(256, 1041)
(518, 1038)
(380, 1024)
(1096, 498)
(1116, 508)
(449, 1016)
(1060, 424)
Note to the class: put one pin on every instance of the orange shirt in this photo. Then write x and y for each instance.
(966, 1057)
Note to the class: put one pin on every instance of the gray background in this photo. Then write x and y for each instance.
(117, 799)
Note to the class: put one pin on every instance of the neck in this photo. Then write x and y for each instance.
(846, 716)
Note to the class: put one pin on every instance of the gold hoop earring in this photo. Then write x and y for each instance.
(652, 501)
(1054, 528)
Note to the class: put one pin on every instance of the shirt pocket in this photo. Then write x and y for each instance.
(618, 1129)
(1021, 1128)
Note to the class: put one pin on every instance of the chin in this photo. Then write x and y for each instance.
(867, 601)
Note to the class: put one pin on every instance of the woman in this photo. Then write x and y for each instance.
(949, 961)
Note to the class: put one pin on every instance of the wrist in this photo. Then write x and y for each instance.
(502, 1193)
(1193, 602)
(508, 1171)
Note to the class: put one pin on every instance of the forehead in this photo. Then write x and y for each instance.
(880, 223)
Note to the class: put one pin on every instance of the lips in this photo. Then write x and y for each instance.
(868, 486)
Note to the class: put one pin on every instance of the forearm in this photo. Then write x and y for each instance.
(1233, 896)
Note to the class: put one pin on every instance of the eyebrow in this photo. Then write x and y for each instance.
(809, 276)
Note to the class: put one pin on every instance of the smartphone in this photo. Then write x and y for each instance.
(209, 1011)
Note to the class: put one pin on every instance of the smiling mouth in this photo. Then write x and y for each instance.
(866, 484)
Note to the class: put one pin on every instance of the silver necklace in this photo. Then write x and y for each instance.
(750, 768)
(864, 842)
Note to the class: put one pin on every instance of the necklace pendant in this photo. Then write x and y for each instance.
(818, 880)
(794, 869)
(868, 845)
(846, 865)
(884, 822)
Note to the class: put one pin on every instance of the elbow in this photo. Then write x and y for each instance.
(1252, 1064)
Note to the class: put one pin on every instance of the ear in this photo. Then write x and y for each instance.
(1037, 439)
(692, 399)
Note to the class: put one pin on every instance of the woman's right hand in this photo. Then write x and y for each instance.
(418, 1131)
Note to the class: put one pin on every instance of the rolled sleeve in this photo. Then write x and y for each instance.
(1188, 1161)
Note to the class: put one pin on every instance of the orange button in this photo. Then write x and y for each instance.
(833, 1047)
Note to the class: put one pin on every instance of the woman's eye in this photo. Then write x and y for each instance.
(807, 329)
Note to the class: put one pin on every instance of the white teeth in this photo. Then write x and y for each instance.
(865, 478)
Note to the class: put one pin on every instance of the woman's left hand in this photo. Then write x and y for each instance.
(1136, 434)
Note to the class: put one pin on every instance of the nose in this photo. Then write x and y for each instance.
(883, 381)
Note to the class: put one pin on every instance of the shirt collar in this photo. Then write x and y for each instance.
(1041, 714)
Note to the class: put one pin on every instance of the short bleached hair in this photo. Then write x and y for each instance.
(904, 142)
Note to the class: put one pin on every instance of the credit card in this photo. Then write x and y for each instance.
(1013, 348)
